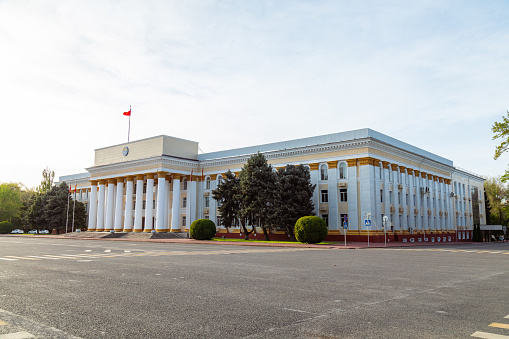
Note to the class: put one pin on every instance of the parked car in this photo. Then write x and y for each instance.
(32, 232)
(18, 231)
(43, 232)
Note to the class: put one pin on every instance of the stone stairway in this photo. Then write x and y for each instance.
(127, 235)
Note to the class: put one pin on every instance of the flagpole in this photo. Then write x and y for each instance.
(129, 130)
(67, 219)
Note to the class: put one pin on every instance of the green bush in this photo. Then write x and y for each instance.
(6, 227)
(310, 230)
(202, 229)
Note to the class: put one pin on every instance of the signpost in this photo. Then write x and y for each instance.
(367, 223)
(384, 223)
(345, 227)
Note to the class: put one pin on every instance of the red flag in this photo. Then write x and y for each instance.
(70, 187)
(202, 174)
(75, 187)
(128, 113)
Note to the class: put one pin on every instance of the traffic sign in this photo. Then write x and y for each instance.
(345, 225)
(367, 223)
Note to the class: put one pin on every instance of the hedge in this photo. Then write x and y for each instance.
(6, 227)
(202, 229)
(310, 230)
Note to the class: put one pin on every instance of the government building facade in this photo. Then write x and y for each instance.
(366, 182)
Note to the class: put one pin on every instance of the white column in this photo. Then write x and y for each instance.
(110, 204)
(167, 201)
(332, 187)
(313, 173)
(119, 204)
(138, 209)
(192, 201)
(188, 205)
(161, 201)
(387, 194)
(353, 207)
(367, 196)
(128, 217)
(212, 201)
(411, 190)
(149, 204)
(92, 214)
(175, 210)
(100, 207)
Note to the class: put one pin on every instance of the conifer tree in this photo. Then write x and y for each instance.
(293, 198)
(257, 186)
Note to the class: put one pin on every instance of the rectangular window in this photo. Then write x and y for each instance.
(415, 201)
(324, 195)
(218, 220)
(184, 221)
(381, 195)
(206, 217)
(144, 204)
(325, 217)
(153, 203)
(399, 198)
(207, 201)
(407, 198)
(184, 202)
(391, 197)
(343, 196)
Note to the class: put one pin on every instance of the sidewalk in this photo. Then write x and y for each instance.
(335, 245)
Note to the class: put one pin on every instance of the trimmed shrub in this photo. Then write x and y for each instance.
(310, 230)
(202, 229)
(6, 227)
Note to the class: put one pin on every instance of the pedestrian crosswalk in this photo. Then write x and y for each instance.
(90, 255)
(503, 332)
(446, 250)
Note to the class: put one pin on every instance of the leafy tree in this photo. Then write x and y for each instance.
(501, 130)
(498, 196)
(228, 195)
(47, 180)
(10, 201)
(292, 199)
(487, 207)
(26, 195)
(257, 185)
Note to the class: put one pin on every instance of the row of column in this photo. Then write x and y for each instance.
(119, 216)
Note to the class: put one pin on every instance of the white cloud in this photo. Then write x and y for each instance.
(231, 74)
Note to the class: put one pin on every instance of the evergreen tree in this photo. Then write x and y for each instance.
(35, 216)
(257, 186)
(228, 195)
(292, 199)
(55, 209)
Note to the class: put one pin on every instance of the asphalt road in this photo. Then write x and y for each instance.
(55, 288)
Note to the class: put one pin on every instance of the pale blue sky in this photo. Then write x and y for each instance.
(240, 73)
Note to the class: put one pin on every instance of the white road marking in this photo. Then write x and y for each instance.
(486, 335)
(17, 335)
(127, 251)
(7, 259)
(34, 256)
(107, 251)
(88, 250)
(24, 258)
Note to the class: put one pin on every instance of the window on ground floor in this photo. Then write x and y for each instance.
(325, 218)
(184, 220)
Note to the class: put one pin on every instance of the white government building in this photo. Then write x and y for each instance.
(163, 184)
